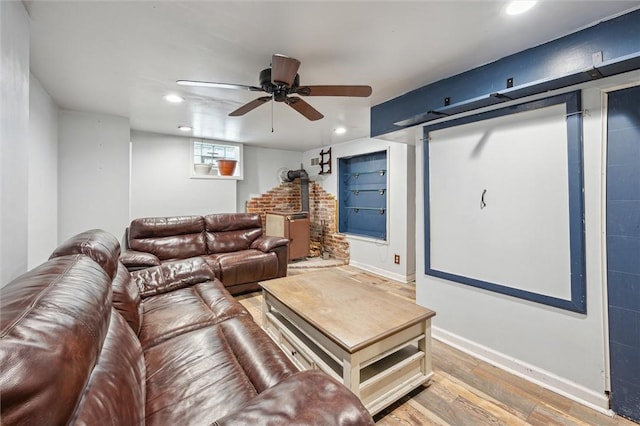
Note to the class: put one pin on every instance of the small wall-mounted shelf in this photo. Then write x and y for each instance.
(324, 162)
(357, 174)
(380, 191)
(357, 209)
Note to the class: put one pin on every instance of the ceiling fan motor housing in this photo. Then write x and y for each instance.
(280, 81)
(279, 91)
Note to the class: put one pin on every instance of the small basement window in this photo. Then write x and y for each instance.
(212, 159)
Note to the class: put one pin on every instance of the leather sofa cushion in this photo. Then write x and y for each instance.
(115, 391)
(262, 361)
(214, 264)
(230, 232)
(268, 243)
(174, 247)
(172, 275)
(247, 266)
(126, 298)
(99, 245)
(156, 227)
(181, 311)
(139, 259)
(195, 369)
(235, 354)
(222, 222)
(229, 241)
(306, 398)
(168, 237)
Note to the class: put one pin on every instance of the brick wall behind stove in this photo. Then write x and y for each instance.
(322, 206)
(285, 197)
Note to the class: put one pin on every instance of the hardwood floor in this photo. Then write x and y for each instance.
(464, 390)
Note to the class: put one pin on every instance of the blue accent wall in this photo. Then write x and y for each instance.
(623, 249)
(560, 63)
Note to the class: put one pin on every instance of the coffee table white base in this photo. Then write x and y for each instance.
(378, 374)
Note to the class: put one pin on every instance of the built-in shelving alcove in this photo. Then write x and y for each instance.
(362, 195)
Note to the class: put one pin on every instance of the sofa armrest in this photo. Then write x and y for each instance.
(172, 275)
(305, 398)
(266, 244)
(133, 259)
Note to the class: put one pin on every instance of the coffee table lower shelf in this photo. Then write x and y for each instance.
(378, 374)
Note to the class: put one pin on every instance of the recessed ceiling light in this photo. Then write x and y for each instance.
(184, 128)
(340, 130)
(516, 7)
(173, 99)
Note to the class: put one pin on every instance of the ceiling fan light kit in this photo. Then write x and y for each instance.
(280, 82)
(285, 69)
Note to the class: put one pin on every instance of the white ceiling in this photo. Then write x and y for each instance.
(121, 58)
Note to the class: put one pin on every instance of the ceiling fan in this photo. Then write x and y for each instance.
(280, 82)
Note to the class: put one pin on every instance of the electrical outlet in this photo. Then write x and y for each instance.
(396, 259)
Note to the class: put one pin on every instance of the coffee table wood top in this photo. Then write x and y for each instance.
(351, 313)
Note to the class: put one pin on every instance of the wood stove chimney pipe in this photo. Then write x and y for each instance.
(304, 186)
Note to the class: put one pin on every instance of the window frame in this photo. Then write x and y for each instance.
(238, 147)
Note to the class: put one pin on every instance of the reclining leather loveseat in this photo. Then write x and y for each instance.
(233, 244)
(85, 342)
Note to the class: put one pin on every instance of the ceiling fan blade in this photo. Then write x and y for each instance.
(304, 108)
(250, 106)
(353, 91)
(284, 69)
(218, 85)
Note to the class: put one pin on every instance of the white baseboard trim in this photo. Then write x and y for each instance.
(384, 273)
(546, 379)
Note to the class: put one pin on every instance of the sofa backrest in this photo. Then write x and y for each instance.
(167, 238)
(227, 232)
(99, 245)
(181, 237)
(104, 249)
(67, 356)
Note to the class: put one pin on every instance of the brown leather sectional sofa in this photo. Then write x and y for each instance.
(231, 243)
(83, 341)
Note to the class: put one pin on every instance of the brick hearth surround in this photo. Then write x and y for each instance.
(323, 206)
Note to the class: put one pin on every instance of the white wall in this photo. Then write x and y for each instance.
(93, 173)
(411, 213)
(14, 110)
(161, 183)
(261, 167)
(510, 162)
(42, 175)
(370, 254)
(559, 349)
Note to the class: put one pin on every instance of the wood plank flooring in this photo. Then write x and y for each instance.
(464, 390)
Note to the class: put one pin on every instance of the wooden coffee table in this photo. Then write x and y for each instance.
(376, 343)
